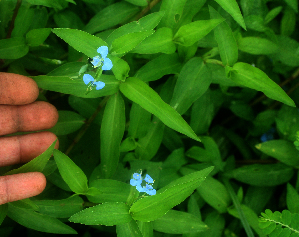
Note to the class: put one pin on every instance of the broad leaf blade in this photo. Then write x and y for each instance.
(37, 221)
(252, 77)
(112, 131)
(231, 6)
(80, 40)
(189, 34)
(146, 97)
(71, 173)
(109, 213)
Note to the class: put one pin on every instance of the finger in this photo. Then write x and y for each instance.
(20, 186)
(21, 149)
(17, 89)
(36, 116)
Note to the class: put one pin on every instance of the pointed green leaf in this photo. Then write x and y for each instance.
(193, 81)
(13, 48)
(37, 164)
(36, 37)
(252, 77)
(111, 16)
(179, 222)
(231, 6)
(158, 67)
(281, 150)
(112, 131)
(67, 85)
(127, 42)
(109, 213)
(71, 173)
(159, 42)
(154, 207)
(257, 45)
(189, 34)
(80, 40)
(129, 229)
(227, 44)
(37, 221)
(292, 199)
(140, 93)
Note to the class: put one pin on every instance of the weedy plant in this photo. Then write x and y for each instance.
(176, 117)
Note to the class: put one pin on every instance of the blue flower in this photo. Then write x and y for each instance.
(88, 78)
(102, 60)
(268, 135)
(137, 180)
(148, 179)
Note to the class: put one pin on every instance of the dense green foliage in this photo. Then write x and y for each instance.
(201, 96)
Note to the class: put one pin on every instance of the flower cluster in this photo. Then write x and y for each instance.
(98, 61)
(148, 188)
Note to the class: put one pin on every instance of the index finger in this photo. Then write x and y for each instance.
(16, 89)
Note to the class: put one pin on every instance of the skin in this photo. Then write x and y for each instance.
(19, 112)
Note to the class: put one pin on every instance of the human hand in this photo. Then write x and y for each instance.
(19, 113)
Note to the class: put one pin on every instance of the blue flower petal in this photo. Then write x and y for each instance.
(149, 187)
(87, 78)
(141, 189)
(99, 84)
(96, 61)
(107, 64)
(151, 192)
(103, 50)
(148, 179)
(136, 176)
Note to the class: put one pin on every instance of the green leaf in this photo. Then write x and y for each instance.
(288, 22)
(159, 42)
(13, 48)
(68, 122)
(178, 222)
(36, 37)
(215, 194)
(67, 85)
(71, 173)
(3, 212)
(126, 43)
(272, 14)
(193, 81)
(147, 98)
(37, 164)
(282, 150)
(149, 144)
(227, 44)
(60, 208)
(257, 45)
(141, 3)
(112, 131)
(160, 66)
(173, 12)
(252, 77)
(109, 190)
(292, 199)
(111, 16)
(262, 175)
(293, 4)
(80, 40)
(23, 20)
(120, 68)
(154, 207)
(231, 6)
(148, 22)
(37, 221)
(109, 213)
(189, 34)
(129, 229)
